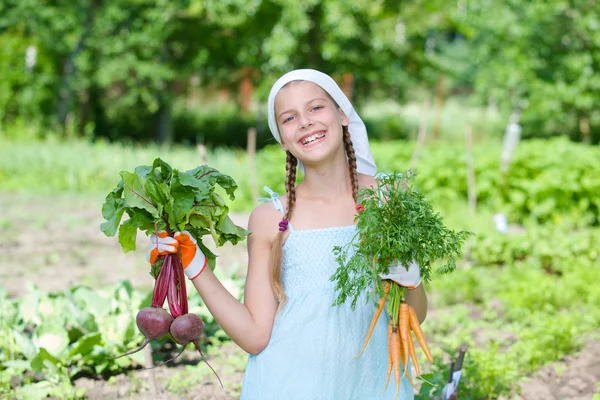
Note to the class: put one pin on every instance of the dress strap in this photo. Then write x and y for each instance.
(274, 199)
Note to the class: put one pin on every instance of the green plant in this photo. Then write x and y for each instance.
(159, 198)
(396, 225)
(549, 181)
(517, 316)
(47, 340)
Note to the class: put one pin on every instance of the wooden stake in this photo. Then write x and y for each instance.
(150, 373)
(439, 105)
(471, 190)
(202, 153)
(421, 135)
(584, 128)
(461, 356)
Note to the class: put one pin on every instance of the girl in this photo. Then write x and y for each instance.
(302, 347)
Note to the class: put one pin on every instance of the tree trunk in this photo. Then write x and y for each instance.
(164, 117)
(314, 57)
(584, 128)
(64, 93)
(164, 122)
(97, 111)
(348, 87)
(246, 90)
(439, 105)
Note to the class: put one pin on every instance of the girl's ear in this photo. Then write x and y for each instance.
(283, 145)
(344, 118)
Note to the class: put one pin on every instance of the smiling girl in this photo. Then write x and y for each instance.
(302, 347)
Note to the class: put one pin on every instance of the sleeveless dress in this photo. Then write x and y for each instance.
(310, 355)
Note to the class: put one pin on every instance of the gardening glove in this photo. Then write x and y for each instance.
(410, 278)
(192, 258)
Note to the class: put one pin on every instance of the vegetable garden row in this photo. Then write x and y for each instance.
(519, 299)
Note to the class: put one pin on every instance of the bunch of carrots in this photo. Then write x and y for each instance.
(396, 225)
(403, 319)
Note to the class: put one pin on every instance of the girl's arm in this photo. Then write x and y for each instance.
(248, 324)
(417, 299)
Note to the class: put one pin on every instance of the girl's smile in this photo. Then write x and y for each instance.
(313, 139)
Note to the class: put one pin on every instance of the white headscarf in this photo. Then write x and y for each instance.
(365, 163)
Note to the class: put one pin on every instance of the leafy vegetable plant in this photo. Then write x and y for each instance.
(396, 226)
(159, 198)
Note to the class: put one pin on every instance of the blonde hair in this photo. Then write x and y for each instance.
(290, 188)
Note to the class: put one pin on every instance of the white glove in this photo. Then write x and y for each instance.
(410, 278)
(192, 258)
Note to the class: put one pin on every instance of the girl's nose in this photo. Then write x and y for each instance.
(304, 121)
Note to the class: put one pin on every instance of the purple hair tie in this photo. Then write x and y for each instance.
(283, 225)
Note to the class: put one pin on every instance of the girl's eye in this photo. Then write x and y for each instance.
(287, 120)
(316, 108)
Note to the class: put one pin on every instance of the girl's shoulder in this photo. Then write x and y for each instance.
(264, 219)
(366, 181)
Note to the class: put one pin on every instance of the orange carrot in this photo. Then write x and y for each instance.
(389, 372)
(395, 346)
(380, 305)
(416, 327)
(403, 323)
(413, 354)
(402, 355)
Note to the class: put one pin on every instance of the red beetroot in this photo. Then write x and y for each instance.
(188, 329)
(153, 322)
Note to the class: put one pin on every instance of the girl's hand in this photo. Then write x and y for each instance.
(410, 278)
(193, 260)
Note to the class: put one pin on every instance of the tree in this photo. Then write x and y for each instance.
(48, 37)
(543, 58)
(381, 43)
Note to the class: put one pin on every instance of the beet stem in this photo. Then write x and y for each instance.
(172, 291)
(160, 288)
(178, 265)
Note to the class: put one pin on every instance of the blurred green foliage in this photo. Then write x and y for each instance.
(158, 70)
(542, 57)
(549, 180)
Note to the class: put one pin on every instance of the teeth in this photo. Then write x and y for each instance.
(312, 138)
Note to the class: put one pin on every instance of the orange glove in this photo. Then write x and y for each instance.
(193, 260)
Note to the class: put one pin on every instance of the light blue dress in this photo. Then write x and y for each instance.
(310, 355)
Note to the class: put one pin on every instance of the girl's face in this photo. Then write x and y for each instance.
(310, 123)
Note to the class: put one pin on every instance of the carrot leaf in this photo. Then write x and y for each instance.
(396, 225)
